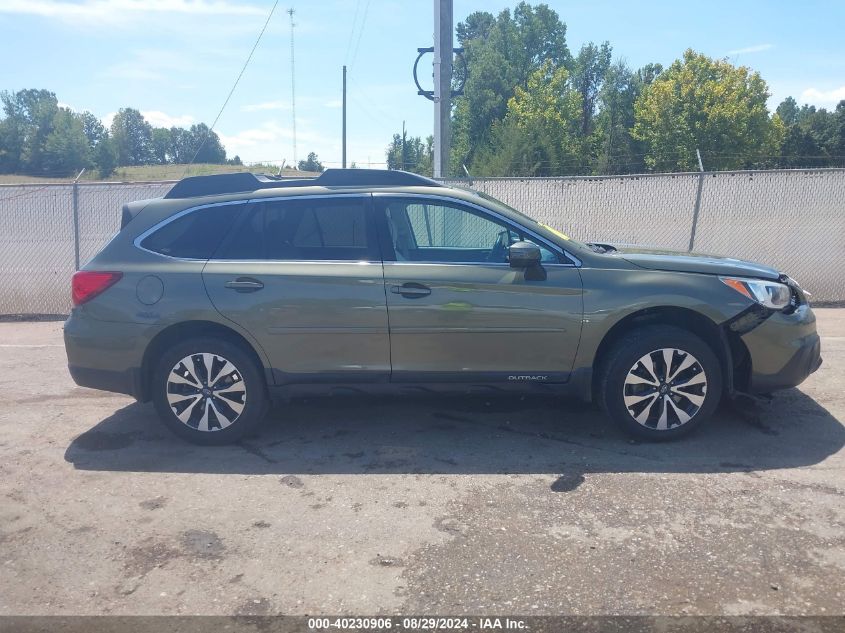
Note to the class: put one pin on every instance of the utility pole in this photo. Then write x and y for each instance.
(443, 45)
(344, 119)
(403, 146)
(293, 87)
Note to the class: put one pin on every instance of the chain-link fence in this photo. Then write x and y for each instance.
(46, 229)
(793, 220)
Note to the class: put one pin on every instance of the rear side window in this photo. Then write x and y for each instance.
(195, 235)
(313, 229)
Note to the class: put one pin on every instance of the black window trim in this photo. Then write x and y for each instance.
(388, 249)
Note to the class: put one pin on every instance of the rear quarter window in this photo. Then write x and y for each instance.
(195, 235)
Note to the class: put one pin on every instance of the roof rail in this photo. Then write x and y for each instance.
(245, 182)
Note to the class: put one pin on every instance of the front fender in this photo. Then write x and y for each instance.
(611, 295)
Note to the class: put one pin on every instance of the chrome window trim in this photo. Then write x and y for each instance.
(137, 241)
(575, 262)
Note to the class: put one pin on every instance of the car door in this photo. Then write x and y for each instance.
(304, 275)
(458, 311)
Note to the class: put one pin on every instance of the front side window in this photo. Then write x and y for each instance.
(308, 229)
(195, 235)
(438, 231)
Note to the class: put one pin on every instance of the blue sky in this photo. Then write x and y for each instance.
(175, 60)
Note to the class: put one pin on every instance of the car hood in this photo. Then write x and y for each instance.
(694, 263)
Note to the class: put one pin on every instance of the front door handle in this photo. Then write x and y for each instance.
(411, 290)
(244, 284)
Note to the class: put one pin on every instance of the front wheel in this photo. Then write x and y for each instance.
(209, 391)
(660, 382)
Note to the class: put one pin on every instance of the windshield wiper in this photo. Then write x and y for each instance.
(601, 248)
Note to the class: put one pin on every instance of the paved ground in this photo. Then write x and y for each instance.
(394, 505)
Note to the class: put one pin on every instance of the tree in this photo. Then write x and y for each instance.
(311, 164)
(206, 145)
(24, 132)
(813, 136)
(615, 150)
(133, 137)
(102, 153)
(105, 157)
(66, 148)
(538, 136)
(181, 146)
(411, 154)
(711, 105)
(501, 53)
(161, 146)
(591, 66)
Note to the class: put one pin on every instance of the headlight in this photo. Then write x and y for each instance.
(771, 294)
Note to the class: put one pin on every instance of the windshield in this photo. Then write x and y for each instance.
(541, 228)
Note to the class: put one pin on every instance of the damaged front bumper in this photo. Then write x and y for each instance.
(783, 349)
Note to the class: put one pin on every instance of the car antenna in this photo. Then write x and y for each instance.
(281, 167)
(466, 171)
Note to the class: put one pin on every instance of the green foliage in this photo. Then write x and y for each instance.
(312, 163)
(133, 137)
(613, 149)
(699, 102)
(539, 134)
(591, 66)
(66, 148)
(411, 154)
(206, 145)
(501, 53)
(516, 115)
(161, 145)
(105, 157)
(29, 116)
(814, 137)
(39, 138)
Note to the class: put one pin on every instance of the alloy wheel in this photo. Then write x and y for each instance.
(665, 388)
(206, 392)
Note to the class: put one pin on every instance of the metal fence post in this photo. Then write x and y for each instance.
(75, 198)
(697, 207)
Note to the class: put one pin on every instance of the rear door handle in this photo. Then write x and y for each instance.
(244, 284)
(411, 290)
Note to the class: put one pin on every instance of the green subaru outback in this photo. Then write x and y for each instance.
(234, 288)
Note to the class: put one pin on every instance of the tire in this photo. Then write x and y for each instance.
(188, 404)
(635, 394)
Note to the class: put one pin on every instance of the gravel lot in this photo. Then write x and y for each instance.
(397, 505)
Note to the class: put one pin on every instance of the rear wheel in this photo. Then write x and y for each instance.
(660, 382)
(209, 391)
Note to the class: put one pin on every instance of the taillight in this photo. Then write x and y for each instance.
(87, 284)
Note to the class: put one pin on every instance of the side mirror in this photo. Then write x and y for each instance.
(524, 255)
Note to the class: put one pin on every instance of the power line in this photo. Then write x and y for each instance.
(235, 85)
(360, 33)
(352, 32)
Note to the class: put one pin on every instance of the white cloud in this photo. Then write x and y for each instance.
(822, 97)
(124, 10)
(266, 105)
(107, 120)
(270, 141)
(334, 103)
(156, 118)
(757, 48)
(149, 65)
